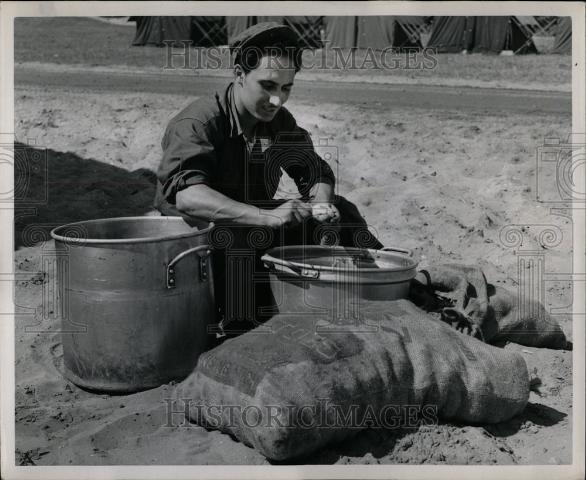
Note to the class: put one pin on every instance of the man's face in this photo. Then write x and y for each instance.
(266, 88)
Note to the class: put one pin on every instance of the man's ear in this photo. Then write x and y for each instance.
(239, 74)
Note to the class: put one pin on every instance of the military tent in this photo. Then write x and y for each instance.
(375, 32)
(209, 31)
(451, 34)
(341, 31)
(200, 31)
(563, 36)
(236, 25)
(274, 18)
(408, 30)
(346, 32)
(158, 30)
(480, 34)
(307, 27)
(537, 30)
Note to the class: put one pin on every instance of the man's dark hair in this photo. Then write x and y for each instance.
(249, 58)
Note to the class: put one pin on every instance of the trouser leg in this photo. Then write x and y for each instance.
(354, 230)
(240, 289)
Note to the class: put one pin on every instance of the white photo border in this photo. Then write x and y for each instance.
(10, 10)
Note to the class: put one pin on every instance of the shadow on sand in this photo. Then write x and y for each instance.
(536, 413)
(54, 188)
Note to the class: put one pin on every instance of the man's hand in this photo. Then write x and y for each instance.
(322, 203)
(325, 213)
(291, 213)
(328, 215)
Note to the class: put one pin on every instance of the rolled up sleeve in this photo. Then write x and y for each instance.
(300, 160)
(189, 157)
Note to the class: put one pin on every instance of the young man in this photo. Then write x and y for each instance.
(222, 163)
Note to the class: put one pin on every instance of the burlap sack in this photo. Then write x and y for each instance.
(464, 299)
(524, 322)
(303, 385)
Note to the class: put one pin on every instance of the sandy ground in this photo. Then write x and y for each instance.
(444, 183)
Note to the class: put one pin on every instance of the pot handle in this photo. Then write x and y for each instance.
(203, 251)
(398, 250)
(291, 268)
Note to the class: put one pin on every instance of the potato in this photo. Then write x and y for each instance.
(325, 213)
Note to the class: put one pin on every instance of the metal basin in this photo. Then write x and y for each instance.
(334, 280)
(138, 298)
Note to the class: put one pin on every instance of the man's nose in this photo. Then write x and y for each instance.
(276, 100)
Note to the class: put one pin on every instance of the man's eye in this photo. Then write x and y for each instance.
(287, 89)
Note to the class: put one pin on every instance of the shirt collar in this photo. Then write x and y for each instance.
(228, 109)
(233, 120)
(231, 113)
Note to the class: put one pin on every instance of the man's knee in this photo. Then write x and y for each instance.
(354, 230)
(349, 212)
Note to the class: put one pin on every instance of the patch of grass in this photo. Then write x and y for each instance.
(78, 40)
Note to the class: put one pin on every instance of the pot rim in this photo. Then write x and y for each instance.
(118, 241)
(378, 271)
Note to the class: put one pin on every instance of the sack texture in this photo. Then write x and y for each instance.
(300, 382)
(464, 299)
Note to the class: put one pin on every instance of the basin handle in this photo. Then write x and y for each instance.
(292, 269)
(398, 250)
(203, 251)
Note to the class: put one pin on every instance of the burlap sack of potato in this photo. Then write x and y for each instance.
(464, 299)
(288, 391)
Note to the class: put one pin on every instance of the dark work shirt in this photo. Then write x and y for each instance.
(204, 144)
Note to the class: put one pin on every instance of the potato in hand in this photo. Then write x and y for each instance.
(325, 213)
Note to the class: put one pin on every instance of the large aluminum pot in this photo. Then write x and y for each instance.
(138, 297)
(320, 279)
